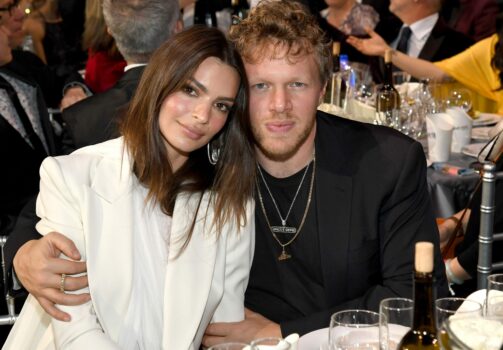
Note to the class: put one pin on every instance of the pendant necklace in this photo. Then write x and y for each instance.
(283, 228)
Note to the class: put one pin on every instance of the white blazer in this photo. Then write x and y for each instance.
(89, 197)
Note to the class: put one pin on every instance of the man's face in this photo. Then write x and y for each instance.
(12, 19)
(398, 7)
(284, 96)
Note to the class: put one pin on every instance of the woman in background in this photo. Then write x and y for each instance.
(105, 65)
(343, 18)
(480, 67)
(167, 237)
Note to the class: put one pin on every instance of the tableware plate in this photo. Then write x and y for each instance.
(486, 119)
(313, 340)
(473, 149)
(482, 133)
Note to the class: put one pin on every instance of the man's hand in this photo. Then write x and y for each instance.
(72, 95)
(374, 46)
(254, 326)
(39, 268)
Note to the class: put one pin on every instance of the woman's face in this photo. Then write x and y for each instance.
(189, 118)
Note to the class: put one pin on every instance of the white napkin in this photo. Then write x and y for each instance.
(439, 131)
(462, 128)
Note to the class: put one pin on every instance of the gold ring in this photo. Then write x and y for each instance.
(62, 283)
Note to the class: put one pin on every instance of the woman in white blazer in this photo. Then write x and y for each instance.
(167, 237)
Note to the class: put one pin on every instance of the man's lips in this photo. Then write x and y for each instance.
(280, 126)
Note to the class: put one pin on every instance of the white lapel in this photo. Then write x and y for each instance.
(188, 277)
(109, 221)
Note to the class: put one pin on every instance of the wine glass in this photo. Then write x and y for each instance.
(494, 296)
(395, 319)
(354, 329)
(230, 346)
(270, 343)
(461, 98)
(446, 308)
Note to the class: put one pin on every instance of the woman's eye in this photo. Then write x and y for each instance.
(222, 107)
(189, 90)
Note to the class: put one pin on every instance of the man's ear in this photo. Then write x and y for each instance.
(178, 26)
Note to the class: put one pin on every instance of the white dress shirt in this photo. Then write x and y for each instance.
(421, 31)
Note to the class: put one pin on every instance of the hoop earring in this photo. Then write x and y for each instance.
(213, 152)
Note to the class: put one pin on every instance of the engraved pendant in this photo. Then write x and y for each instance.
(283, 229)
(284, 255)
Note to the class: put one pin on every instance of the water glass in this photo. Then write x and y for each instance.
(230, 346)
(271, 343)
(494, 297)
(354, 329)
(446, 308)
(395, 319)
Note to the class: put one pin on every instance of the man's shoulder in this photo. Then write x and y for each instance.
(330, 126)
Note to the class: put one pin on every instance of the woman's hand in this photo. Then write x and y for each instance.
(373, 46)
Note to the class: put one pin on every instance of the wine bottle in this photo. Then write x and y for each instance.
(336, 51)
(387, 98)
(333, 94)
(204, 13)
(423, 334)
(239, 10)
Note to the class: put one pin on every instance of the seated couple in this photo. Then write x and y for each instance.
(338, 204)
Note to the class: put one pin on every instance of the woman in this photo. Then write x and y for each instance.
(343, 18)
(480, 67)
(53, 39)
(166, 236)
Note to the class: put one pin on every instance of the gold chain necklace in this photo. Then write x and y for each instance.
(284, 255)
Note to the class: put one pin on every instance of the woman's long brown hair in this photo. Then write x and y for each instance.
(231, 179)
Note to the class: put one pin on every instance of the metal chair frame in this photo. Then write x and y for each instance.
(11, 316)
(487, 236)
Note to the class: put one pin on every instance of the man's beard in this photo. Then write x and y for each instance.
(282, 153)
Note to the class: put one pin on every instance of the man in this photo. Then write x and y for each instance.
(424, 34)
(339, 204)
(94, 119)
(352, 197)
(26, 135)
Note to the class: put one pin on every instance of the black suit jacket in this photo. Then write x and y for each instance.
(95, 119)
(88, 122)
(19, 180)
(372, 206)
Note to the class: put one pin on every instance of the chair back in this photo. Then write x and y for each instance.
(11, 316)
(487, 236)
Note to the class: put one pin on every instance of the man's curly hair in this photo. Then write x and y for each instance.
(273, 26)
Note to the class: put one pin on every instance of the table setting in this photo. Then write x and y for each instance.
(437, 114)
(475, 322)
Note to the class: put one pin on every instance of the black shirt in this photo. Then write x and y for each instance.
(292, 288)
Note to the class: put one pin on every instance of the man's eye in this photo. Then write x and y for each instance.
(260, 86)
(297, 84)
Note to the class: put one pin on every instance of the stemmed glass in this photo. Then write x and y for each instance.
(230, 346)
(270, 343)
(494, 297)
(354, 329)
(395, 319)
